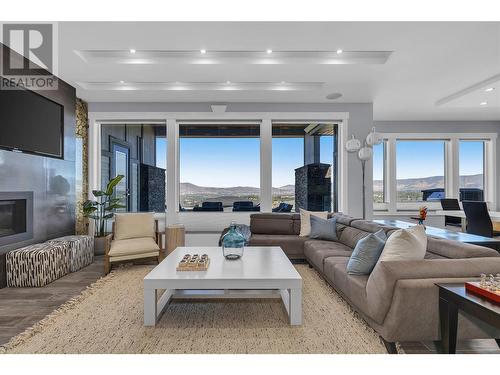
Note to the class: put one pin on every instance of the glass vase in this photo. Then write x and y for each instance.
(233, 243)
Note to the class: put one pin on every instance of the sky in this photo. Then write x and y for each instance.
(229, 162)
(417, 159)
(217, 162)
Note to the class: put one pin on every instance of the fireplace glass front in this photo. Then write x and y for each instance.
(12, 217)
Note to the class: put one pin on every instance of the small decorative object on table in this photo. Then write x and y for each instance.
(422, 215)
(233, 243)
(194, 263)
(488, 287)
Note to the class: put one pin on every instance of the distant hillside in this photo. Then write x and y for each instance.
(417, 184)
(192, 189)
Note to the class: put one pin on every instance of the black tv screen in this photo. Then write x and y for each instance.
(31, 123)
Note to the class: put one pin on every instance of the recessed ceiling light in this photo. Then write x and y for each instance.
(333, 96)
(228, 82)
(483, 103)
(203, 51)
(132, 50)
(283, 82)
(269, 51)
(122, 81)
(339, 51)
(489, 89)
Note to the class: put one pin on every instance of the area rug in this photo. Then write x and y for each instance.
(108, 318)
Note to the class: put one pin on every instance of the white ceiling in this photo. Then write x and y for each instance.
(429, 62)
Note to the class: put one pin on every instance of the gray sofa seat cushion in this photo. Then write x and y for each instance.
(316, 251)
(329, 269)
(292, 245)
(382, 281)
(458, 250)
(353, 287)
(272, 224)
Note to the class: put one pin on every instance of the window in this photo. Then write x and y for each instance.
(379, 173)
(420, 170)
(304, 166)
(138, 152)
(219, 167)
(471, 170)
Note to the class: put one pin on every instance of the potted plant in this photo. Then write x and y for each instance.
(101, 210)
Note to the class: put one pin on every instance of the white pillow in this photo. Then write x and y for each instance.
(405, 244)
(305, 221)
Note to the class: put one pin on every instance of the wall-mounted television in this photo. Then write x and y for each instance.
(31, 123)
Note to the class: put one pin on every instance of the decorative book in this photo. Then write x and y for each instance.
(194, 263)
(476, 288)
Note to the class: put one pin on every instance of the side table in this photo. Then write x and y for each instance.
(175, 236)
(454, 297)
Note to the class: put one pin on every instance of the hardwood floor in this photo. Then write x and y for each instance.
(20, 308)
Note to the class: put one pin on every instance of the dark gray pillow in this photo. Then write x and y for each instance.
(366, 253)
(323, 229)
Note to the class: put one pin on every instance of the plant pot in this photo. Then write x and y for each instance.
(100, 245)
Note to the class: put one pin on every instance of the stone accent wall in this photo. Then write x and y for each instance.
(82, 170)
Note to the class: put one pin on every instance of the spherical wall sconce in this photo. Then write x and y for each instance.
(353, 144)
(373, 138)
(365, 153)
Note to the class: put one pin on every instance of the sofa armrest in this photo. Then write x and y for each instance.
(385, 275)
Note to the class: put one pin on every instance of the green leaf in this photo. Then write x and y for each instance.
(111, 184)
(98, 193)
(108, 216)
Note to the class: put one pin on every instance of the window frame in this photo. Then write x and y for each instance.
(451, 169)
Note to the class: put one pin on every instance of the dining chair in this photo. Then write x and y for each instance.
(451, 204)
(478, 219)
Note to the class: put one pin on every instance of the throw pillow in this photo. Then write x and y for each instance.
(305, 221)
(366, 253)
(406, 244)
(323, 229)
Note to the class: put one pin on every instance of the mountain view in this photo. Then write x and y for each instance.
(417, 184)
(410, 189)
(192, 195)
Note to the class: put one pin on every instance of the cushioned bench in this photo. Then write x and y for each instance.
(81, 250)
(37, 265)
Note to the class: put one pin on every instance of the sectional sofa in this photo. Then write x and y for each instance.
(398, 299)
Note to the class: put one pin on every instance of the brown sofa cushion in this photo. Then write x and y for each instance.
(350, 236)
(458, 250)
(343, 219)
(316, 251)
(366, 225)
(292, 245)
(272, 224)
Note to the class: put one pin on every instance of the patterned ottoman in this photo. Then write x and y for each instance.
(81, 250)
(37, 265)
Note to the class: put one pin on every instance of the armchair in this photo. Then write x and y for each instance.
(134, 236)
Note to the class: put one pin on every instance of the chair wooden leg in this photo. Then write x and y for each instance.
(107, 264)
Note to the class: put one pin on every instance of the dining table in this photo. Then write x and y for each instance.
(494, 215)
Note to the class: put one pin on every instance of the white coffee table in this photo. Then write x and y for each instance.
(262, 272)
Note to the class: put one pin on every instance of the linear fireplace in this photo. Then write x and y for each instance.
(16, 217)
